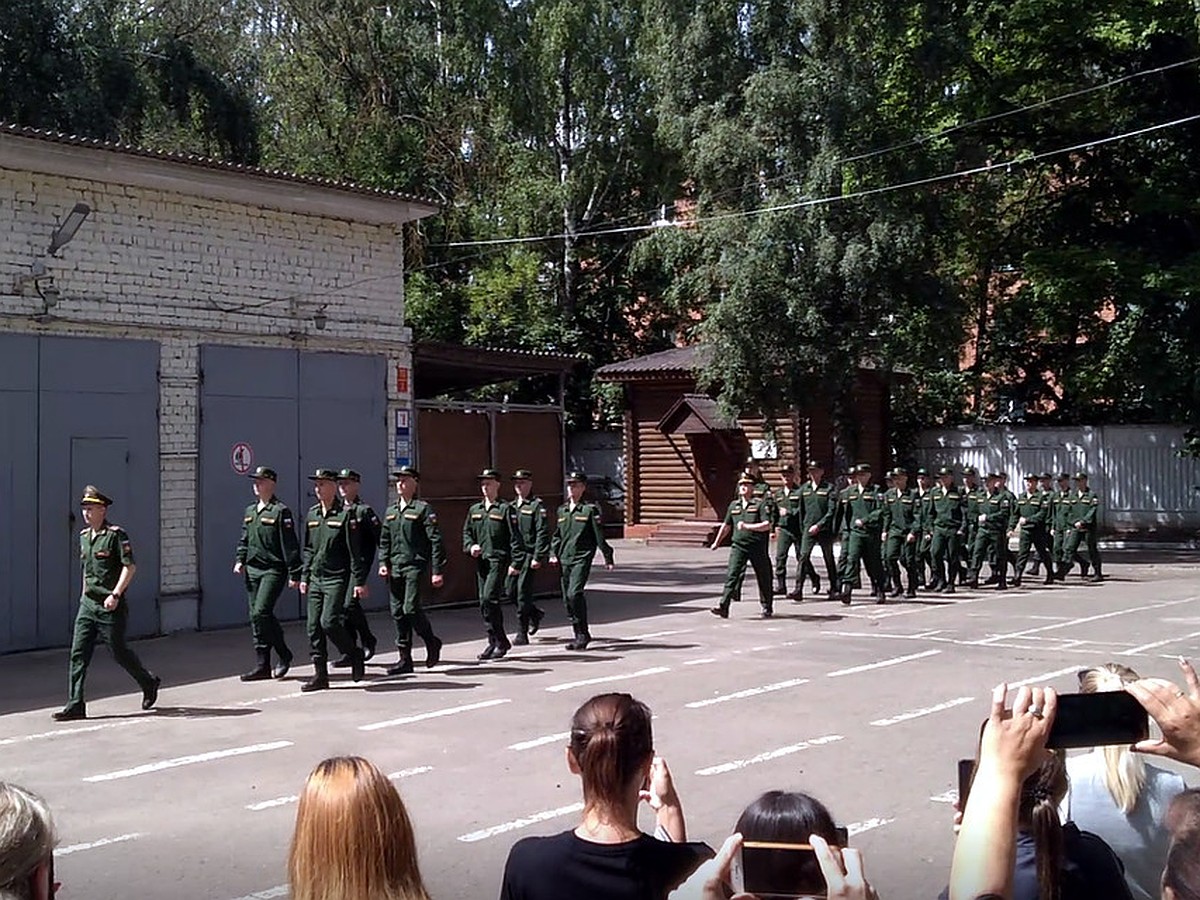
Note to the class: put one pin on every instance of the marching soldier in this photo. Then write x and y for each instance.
(535, 534)
(762, 490)
(924, 549)
(818, 510)
(268, 558)
(901, 529)
(409, 543)
(862, 511)
(1081, 526)
(349, 482)
(1046, 487)
(973, 495)
(578, 534)
(1031, 510)
(492, 537)
(106, 555)
(787, 531)
(332, 570)
(749, 520)
(991, 536)
(947, 505)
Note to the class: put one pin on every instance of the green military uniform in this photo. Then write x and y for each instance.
(947, 509)
(578, 534)
(862, 513)
(818, 508)
(410, 542)
(332, 567)
(103, 554)
(369, 528)
(493, 527)
(972, 498)
(1082, 509)
(788, 505)
(1032, 515)
(991, 536)
(534, 526)
(923, 553)
(901, 531)
(269, 554)
(748, 547)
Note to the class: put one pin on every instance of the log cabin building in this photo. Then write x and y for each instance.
(683, 457)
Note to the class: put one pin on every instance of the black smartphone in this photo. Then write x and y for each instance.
(1094, 720)
(770, 869)
(966, 774)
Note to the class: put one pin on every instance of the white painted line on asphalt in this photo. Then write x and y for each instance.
(269, 894)
(700, 662)
(762, 648)
(1044, 677)
(524, 822)
(918, 713)
(925, 609)
(261, 700)
(656, 634)
(187, 761)
(103, 842)
(749, 692)
(1084, 620)
(641, 673)
(769, 755)
(860, 827)
(435, 714)
(1133, 651)
(540, 742)
(284, 801)
(26, 738)
(950, 796)
(883, 663)
(408, 773)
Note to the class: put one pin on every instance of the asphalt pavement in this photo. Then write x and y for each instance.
(867, 708)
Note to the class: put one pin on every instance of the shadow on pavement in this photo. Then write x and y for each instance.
(202, 712)
(413, 683)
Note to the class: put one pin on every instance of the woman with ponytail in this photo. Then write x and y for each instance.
(607, 857)
(1115, 794)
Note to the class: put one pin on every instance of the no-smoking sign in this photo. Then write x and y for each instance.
(241, 457)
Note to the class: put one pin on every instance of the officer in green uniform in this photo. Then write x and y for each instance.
(349, 483)
(901, 529)
(578, 534)
(923, 553)
(947, 505)
(1032, 511)
(332, 569)
(749, 520)
(268, 558)
(1046, 488)
(788, 502)
(862, 513)
(106, 556)
(1082, 515)
(991, 536)
(409, 543)
(818, 510)
(534, 526)
(973, 494)
(1059, 510)
(493, 538)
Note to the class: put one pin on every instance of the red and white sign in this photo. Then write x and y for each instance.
(241, 457)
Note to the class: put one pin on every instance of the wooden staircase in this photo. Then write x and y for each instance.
(684, 534)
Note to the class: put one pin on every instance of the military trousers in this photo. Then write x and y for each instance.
(1056, 549)
(490, 574)
(327, 616)
(946, 555)
(787, 542)
(519, 589)
(95, 623)
(1033, 537)
(1081, 537)
(991, 546)
(861, 549)
(824, 540)
(404, 600)
(356, 619)
(574, 579)
(900, 553)
(264, 587)
(757, 557)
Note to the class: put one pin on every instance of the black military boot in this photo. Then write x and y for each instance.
(503, 645)
(369, 643)
(320, 679)
(150, 692)
(404, 665)
(816, 580)
(845, 595)
(582, 639)
(535, 619)
(1049, 575)
(521, 638)
(358, 665)
(70, 714)
(261, 672)
(780, 587)
(490, 651)
(345, 661)
(284, 664)
(433, 650)
(798, 593)
(912, 587)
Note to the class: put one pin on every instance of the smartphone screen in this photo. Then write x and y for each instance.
(1094, 720)
(966, 774)
(774, 870)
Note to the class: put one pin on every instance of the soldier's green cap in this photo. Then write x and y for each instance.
(1001, 474)
(787, 469)
(577, 477)
(93, 497)
(899, 470)
(323, 475)
(945, 470)
(1045, 476)
(745, 478)
(263, 472)
(1032, 477)
(861, 467)
(970, 470)
(1080, 474)
(815, 464)
(922, 471)
(406, 472)
(349, 475)
(992, 475)
(493, 474)
(1064, 476)
(522, 475)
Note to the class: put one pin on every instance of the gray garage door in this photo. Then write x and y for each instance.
(294, 412)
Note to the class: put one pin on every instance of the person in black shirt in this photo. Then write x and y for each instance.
(607, 857)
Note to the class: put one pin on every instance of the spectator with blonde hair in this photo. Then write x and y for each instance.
(27, 840)
(1115, 794)
(353, 838)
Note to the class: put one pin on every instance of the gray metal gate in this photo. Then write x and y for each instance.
(18, 492)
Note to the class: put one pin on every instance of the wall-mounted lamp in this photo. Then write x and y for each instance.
(66, 231)
(320, 319)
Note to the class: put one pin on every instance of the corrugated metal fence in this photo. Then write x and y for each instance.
(1142, 481)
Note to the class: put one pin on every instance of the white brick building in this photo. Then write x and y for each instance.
(202, 305)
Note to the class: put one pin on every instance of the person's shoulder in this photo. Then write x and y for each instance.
(539, 848)
(1087, 849)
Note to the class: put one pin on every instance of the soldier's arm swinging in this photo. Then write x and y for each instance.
(290, 545)
(601, 541)
(437, 548)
